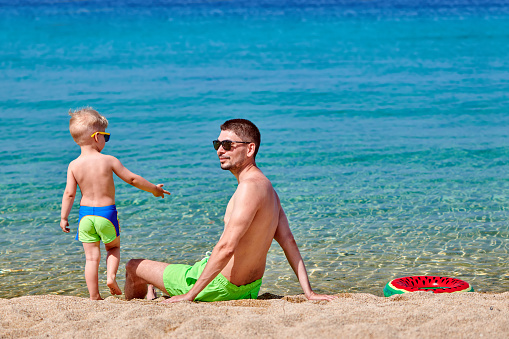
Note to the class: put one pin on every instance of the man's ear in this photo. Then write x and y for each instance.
(251, 149)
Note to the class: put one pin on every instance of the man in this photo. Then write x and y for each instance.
(253, 218)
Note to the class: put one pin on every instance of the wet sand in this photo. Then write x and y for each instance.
(413, 315)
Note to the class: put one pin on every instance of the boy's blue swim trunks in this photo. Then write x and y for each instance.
(179, 279)
(98, 224)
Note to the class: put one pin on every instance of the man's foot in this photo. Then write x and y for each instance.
(151, 293)
(114, 289)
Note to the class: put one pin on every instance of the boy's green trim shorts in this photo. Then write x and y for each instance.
(179, 279)
(98, 224)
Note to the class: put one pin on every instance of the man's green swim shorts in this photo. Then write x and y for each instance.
(179, 279)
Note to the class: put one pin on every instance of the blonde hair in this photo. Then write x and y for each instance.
(84, 122)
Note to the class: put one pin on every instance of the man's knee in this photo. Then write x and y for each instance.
(132, 265)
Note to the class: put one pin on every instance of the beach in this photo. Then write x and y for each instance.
(351, 315)
(384, 133)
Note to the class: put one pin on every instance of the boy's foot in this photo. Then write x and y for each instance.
(151, 292)
(114, 289)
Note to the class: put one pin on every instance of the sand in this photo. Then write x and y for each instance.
(412, 315)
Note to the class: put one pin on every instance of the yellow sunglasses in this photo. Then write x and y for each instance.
(106, 135)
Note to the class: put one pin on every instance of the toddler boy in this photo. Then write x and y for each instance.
(93, 173)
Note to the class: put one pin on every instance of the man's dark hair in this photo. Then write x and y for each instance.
(245, 129)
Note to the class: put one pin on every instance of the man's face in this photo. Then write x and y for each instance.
(236, 156)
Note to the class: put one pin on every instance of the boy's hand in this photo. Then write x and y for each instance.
(64, 225)
(160, 192)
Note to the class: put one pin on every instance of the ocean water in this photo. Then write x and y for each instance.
(384, 131)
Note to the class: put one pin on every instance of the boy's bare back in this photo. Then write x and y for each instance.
(94, 175)
(93, 172)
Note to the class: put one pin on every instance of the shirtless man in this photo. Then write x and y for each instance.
(253, 218)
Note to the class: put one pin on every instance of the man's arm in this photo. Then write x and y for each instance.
(136, 180)
(68, 200)
(247, 202)
(286, 240)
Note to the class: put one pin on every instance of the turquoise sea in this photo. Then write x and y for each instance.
(385, 131)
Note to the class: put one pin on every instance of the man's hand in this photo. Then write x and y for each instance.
(64, 225)
(314, 296)
(160, 192)
(177, 298)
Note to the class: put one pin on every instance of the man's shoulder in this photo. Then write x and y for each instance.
(255, 188)
(256, 181)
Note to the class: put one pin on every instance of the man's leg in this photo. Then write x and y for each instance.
(141, 272)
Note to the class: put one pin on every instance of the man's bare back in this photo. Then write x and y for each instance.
(248, 261)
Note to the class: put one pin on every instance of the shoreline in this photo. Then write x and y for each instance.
(352, 315)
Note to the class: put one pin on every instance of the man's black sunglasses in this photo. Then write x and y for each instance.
(227, 144)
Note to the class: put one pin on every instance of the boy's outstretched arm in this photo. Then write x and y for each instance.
(137, 180)
(68, 199)
(285, 238)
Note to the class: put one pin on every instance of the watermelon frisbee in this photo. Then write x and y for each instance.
(426, 283)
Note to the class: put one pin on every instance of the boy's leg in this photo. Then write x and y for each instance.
(93, 258)
(112, 262)
(141, 272)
